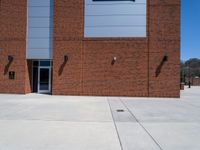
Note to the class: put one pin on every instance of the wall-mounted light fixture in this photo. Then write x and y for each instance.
(66, 58)
(159, 68)
(10, 58)
(165, 58)
(114, 60)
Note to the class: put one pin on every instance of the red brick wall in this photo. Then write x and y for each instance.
(89, 70)
(68, 32)
(28, 76)
(127, 77)
(13, 42)
(164, 39)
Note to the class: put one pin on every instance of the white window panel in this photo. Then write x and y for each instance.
(115, 31)
(40, 22)
(39, 54)
(115, 9)
(91, 2)
(40, 3)
(39, 33)
(40, 29)
(39, 43)
(39, 12)
(115, 20)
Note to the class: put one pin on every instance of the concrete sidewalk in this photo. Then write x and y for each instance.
(43, 122)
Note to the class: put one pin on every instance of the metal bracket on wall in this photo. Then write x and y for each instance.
(10, 60)
(66, 59)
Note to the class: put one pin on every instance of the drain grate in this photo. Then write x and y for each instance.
(120, 110)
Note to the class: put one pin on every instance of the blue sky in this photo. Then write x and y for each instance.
(190, 29)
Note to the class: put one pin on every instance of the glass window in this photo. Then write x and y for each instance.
(45, 63)
(35, 63)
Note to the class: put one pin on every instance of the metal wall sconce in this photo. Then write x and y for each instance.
(10, 58)
(165, 58)
(66, 58)
(159, 68)
(114, 60)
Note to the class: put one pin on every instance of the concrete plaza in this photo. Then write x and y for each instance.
(43, 122)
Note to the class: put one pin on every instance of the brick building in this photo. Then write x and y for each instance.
(90, 47)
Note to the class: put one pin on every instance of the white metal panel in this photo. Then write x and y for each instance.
(40, 22)
(39, 12)
(39, 54)
(115, 18)
(39, 32)
(38, 43)
(40, 29)
(39, 3)
(91, 2)
(120, 9)
(115, 31)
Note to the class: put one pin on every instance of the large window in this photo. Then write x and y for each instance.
(115, 18)
(40, 29)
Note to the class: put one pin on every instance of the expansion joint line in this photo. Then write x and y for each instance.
(115, 125)
(141, 125)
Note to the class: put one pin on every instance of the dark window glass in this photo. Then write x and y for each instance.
(44, 79)
(35, 63)
(45, 63)
(35, 80)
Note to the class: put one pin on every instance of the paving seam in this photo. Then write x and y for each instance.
(115, 125)
(141, 125)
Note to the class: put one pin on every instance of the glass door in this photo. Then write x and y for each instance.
(44, 80)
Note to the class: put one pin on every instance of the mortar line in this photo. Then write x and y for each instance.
(141, 125)
(115, 125)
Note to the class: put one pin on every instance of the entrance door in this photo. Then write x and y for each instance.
(44, 80)
(41, 76)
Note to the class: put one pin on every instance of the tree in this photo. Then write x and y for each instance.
(190, 69)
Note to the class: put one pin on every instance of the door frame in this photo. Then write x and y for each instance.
(44, 91)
